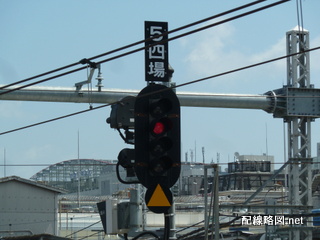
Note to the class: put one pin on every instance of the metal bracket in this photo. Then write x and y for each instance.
(303, 102)
(291, 102)
(80, 84)
(93, 66)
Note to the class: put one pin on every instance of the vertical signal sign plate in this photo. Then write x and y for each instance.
(156, 52)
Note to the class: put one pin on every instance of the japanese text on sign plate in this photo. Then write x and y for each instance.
(156, 56)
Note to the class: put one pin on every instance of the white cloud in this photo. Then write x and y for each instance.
(276, 50)
(217, 50)
(210, 51)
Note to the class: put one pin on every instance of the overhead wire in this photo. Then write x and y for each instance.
(55, 119)
(173, 87)
(137, 43)
(142, 41)
(190, 32)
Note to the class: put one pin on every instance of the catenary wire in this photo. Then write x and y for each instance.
(137, 43)
(76, 113)
(143, 48)
(78, 69)
(177, 86)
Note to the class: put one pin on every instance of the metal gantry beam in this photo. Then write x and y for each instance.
(188, 99)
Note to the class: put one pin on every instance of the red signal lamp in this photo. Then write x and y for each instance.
(158, 128)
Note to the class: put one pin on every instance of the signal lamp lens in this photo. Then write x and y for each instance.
(160, 107)
(161, 165)
(160, 146)
(161, 126)
(158, 128)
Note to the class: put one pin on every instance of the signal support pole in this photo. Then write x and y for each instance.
(299, 131)
(215, 190)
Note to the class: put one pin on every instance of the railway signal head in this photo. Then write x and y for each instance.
(157, 136)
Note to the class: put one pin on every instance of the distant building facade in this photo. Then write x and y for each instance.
(191, 178)
(249, 172)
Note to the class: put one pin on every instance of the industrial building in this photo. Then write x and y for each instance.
(249, 172)
(98, 177)
(27, 207)
(89, 176)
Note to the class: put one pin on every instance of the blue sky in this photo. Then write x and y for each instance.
(38, 36)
